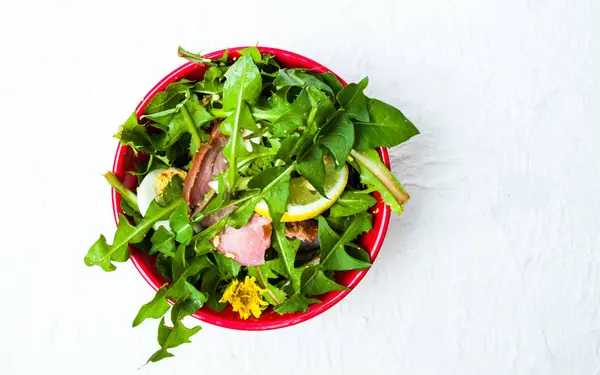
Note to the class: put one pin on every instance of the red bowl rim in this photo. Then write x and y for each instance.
(211, 316)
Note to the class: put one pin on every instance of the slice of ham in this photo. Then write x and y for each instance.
(208, 162)
(246, 245)
(306, 230)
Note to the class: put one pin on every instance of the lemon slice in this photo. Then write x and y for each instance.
(305, 202)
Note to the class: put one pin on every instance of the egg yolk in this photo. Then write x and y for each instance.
(162, 179)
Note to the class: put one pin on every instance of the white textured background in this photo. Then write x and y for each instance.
(493, 269)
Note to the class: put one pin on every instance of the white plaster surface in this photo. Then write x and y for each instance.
(493, 269)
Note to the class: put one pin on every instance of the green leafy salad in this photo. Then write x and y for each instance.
(255, 186)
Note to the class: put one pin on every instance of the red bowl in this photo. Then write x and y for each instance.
(146, 264)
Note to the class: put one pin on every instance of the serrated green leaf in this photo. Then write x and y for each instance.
(262, 274)
(134, 135)
(297, 303)
(253, 52)
(243, 83)
(179, 264)
(338, 138)
(155, 308)
(352, 202)
(192, 301)
(180, 224)
(228, 268)
(295, 77)
(311, 166)
(101, 254)
(211, 282)
(171, 337)
(333, 254)
(276, 106)
(163, 242)
(160, 354)
(353, 100)
(387, 127)
(315, 282)
(286, 249)
(287, 145)
(277, 196)
(164, 265)
(332, 81)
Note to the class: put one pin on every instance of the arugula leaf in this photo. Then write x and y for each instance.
(331, 80)
(171, 337)
(352, 202)
(163, 265)
(212, 74)
(333, 254)
(307, 113)
(155, 161)
(126, 194)
(276, 106)
(235, 148)
(134, 135)
(311, 166)
(287, 145)
(179, 289)
(315, 282)
(375, 175)
(165, 103)
(263, 273)
(127, 210)
(387, 127)
(353, 100)
(243, 83)
(179, 263)
(194, 57)
(155, 308)
(341, 223)
(243, 213)
(295, 77)
(228, 268)
(163, 242)
(101, 254)
(287, 249)
(338, 138)
(180, 224)
(277, 196)
(195, 116)
(191, 302)
(297, 302)
(189, 118)
(253, 52)
(210, 283)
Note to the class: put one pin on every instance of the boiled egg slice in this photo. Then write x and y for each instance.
(152, 186)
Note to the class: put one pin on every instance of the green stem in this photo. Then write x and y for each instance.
(275, 181)
(191, 128)
(193, 57)
(128, 195)
(257, 113)
(219, 113)
(263, 282)
(140, 228)
(248, 159)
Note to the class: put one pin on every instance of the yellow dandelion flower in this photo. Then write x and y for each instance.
(245, 297)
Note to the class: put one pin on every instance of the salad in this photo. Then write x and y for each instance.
(255, 186)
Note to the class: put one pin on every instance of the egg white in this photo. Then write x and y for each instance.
(146, 194)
